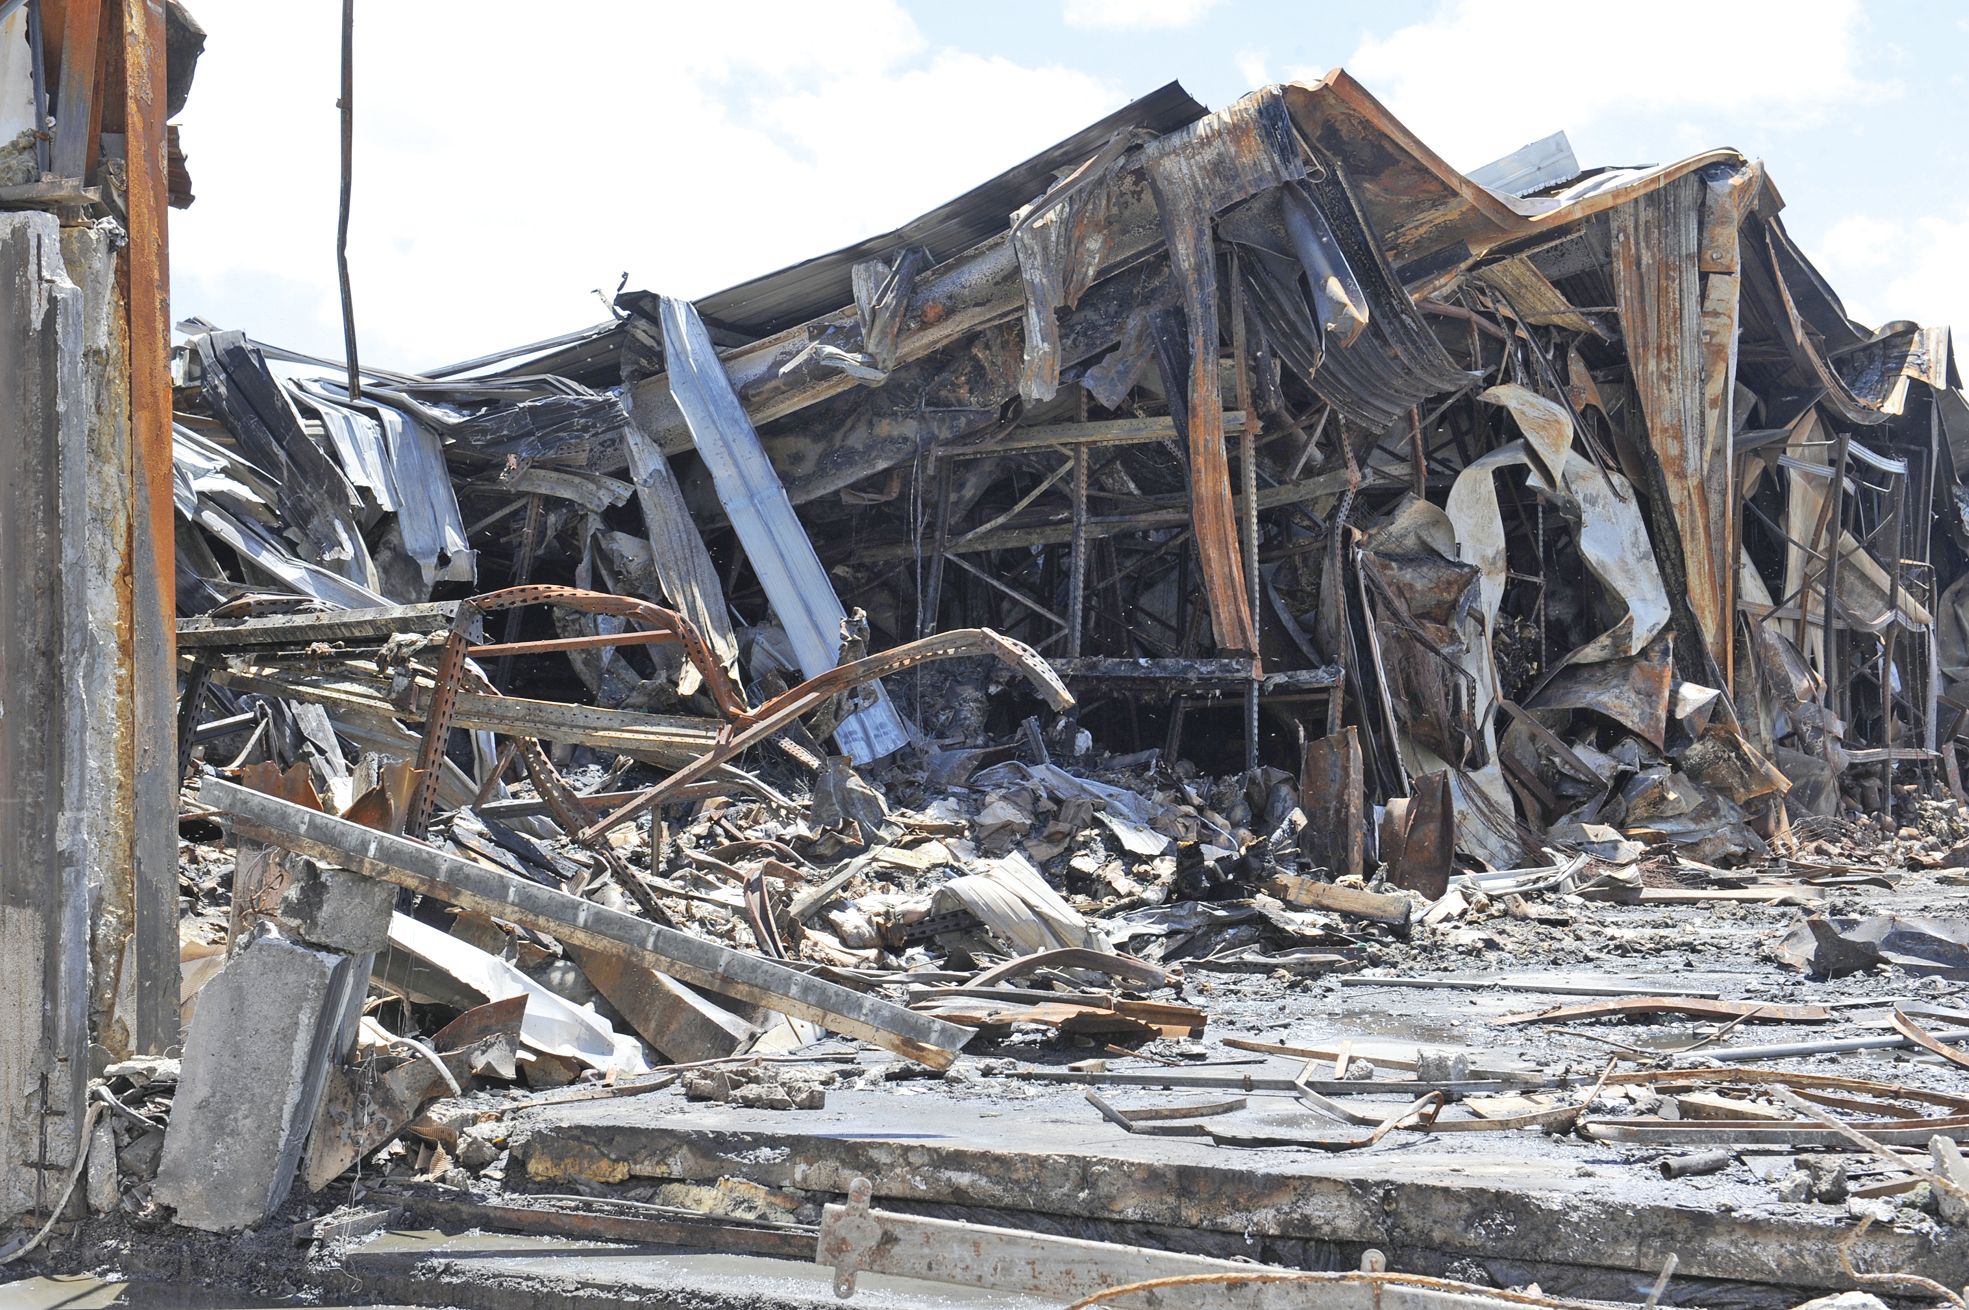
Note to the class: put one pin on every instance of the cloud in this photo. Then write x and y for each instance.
(1895, 268)
(1479, 79)
(508, 168)
(1135, 15)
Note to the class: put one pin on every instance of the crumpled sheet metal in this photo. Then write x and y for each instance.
(1632, 690)
(1867, 594)
(1433, 640)
(208, 491)
(882, 288)
(1613, 541)
(552, 1024)
(403, 468)
(1480, 798)
(1658, 289)
(1952, 632)
(1128, 815)
(1359, 342)
(1613, 538)
(1061, 240)
(1018, 906)
(775, 543)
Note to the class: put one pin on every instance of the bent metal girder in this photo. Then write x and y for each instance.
(810, 695)
(724, 693)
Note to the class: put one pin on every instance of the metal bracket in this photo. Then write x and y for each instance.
(850, 1238)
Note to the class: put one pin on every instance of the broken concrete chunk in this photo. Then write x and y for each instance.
(101, 1185)
(762, 1087)
(334, 909)
(254, 1066)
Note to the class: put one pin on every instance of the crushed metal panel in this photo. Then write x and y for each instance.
(1061, 241)
(313, 500)
(1332, 792)
(1657, 287)
(1532, 297)
(791, 574)
(1631, 690)
(1418, 836)
(882, 289)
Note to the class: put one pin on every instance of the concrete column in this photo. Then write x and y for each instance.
(44, 936)
(88, 867)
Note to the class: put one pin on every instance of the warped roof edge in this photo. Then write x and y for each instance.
(813, 287)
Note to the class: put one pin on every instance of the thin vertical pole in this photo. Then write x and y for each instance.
(347, 104)
(1077, 575)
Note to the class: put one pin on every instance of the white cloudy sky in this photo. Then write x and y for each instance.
(515, 160)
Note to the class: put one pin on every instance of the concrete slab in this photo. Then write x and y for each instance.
(483, 1271)
(1579, 1218)
(88, 1292)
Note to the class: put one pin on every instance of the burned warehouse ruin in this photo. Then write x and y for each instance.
(1235, 716)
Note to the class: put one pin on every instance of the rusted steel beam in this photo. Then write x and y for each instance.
(1187, 231)
(504, 649)
(1077, 564)
(1725, 202)
(717, 682)
(153, 532)
(1247, 503)
(661, 738)
(74, 100)
(810, 695)
(437, 721)
(150, 311)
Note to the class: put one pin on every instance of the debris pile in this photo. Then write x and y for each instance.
(1229, 555)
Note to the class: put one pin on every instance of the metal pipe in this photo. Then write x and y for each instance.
(1789, 1050)
(1698, 1162)
(347, 104)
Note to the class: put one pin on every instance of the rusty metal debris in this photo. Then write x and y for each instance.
(1228, 550)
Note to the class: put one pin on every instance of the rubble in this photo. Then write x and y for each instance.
(1412, 664)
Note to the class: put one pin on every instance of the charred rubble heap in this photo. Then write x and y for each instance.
(1225, 540)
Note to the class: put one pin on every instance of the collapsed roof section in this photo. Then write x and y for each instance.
(1538, 483)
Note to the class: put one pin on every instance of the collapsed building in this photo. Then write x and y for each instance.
(1228, 546)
